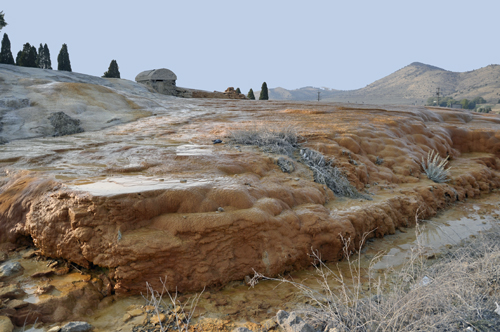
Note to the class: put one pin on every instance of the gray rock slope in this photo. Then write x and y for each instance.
(40, 102)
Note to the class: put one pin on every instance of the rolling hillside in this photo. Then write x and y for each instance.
(411, 85)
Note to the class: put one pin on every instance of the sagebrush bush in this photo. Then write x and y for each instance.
(280, 141)
(286, 142)
(326, 173)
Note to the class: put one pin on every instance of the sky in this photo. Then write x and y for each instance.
(212, 45)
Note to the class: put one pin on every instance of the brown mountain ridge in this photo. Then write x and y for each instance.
(411, 85)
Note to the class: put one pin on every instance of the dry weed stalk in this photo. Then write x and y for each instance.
(181, 317)
(451, 295)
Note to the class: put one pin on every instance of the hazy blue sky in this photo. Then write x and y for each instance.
(211, 45)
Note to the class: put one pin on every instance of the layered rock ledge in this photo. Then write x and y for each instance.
(155, 198)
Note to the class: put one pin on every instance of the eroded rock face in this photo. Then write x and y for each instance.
(115, 198)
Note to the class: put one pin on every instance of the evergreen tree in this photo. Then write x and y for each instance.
(250, 95)
(238, 90)
(2, 20)
(63, 62)
(44, 57)
(113, 71)
(264, 93)
(39, 59)
(32, 57)
(6, 54)
(46, 54)
(19, 58)
(27, 56)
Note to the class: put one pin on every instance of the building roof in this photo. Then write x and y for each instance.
(162, 74)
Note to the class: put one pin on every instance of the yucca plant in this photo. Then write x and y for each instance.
(434, 167)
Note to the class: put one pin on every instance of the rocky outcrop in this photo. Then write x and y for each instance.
(33, 100)
(64, 124)
(155, 198)
(232, 94)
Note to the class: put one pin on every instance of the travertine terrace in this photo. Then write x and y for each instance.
(141, 199)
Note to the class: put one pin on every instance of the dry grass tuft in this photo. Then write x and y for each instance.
(434, 167)
(171, 315)
(457, 293)
(279, 141)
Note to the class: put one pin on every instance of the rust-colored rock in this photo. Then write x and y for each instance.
(270, 220)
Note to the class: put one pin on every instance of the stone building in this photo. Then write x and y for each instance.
(161, 80)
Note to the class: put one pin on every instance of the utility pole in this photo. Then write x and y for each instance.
(318, 95)
(437, 94)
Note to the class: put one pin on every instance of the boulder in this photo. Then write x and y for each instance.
(290, 322)
(5, 324)
(76, 327)
(11, 292)
(10, 269)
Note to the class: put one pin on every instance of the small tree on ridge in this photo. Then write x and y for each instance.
(264, 93)
(44, 57)
(113, 71)
(250, 95)
(63, 62)
(27, 57)
(6, 54)
(47, 64)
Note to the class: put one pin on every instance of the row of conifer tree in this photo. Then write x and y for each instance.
(29, 56)
(264, 93)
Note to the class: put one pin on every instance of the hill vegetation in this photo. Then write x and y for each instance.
(411, 85)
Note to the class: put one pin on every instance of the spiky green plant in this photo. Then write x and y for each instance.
(434, 167)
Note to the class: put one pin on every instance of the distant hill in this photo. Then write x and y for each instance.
(410, 85)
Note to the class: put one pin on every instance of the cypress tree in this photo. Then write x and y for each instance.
(19, 58)
(264, 93)
(113, 71)
(40, 59)
(2, 20)
(250, 95)
(46, 55)
(63, 62)
(27, 56)
(6, 54)
(238, 90)
(32, 57)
